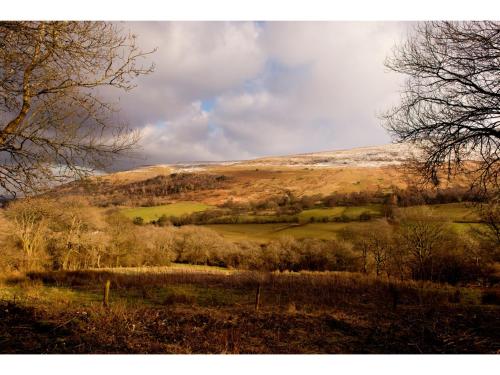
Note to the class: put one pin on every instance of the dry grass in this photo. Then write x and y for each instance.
(248, 183)
(253, 184)
(139, 174)
(200, 312)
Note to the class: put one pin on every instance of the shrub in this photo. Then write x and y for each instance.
(159, 247)
(198, 245)
(138, 220)
(345, 258)
(365, 216)
(317, 256)
(282, 254)
(163, 220)
(490, 297)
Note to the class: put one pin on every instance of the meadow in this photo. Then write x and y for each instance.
(349, 212)
(462, 217)
(174, 209)
(182, 310)
(266, 232)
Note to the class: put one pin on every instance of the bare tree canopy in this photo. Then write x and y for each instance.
(450, 104)
(53, 122)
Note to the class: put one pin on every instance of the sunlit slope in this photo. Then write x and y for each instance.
(358, 170)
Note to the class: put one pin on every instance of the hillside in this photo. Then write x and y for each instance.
(364, 157)
(343, 171)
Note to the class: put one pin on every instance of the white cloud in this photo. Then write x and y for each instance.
(281, 88)
(187, 137)
(194, 60)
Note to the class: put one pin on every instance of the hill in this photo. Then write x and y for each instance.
(367, 169)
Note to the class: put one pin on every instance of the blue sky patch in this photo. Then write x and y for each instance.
(208, 104)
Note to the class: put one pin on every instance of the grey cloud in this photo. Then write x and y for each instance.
(283, 88)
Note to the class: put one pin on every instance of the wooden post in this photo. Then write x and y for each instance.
(257, 298)
(105, 300)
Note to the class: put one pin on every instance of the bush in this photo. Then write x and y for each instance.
(316, 255)
(365, 216)
(345, 258)
(282, 254)
(163, 221)
(159, 247)
(490, 297)
(138, 220)
(198, 245)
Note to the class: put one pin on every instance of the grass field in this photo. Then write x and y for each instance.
(455, 212)
(351, 212)
(320, 213)
(174, 209)
(173, 267)
(461, 216)
(201, 312)
(266, 232)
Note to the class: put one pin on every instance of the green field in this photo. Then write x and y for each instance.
(461, 216)
(455, 212)
(351, 212)
(320, 213)
(174, 209)
(266, 232)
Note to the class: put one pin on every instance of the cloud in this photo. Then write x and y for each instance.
(226, 90)
(194, 61)
(187, 137)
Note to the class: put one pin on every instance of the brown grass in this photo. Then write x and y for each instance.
(198, 312)
(253, 184)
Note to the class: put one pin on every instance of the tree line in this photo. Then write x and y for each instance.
(70, 235)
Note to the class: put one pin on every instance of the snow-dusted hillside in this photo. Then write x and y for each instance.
(368, 157)
(374, 156)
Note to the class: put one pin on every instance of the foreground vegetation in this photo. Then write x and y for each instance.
(195, 311)
(343, 273)
(417, 242)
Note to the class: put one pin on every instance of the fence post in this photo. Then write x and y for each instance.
(105, 300)
(257, 298)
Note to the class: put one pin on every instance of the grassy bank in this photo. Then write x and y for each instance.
(195, 311)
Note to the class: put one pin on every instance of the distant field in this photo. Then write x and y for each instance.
(350, 212)
(266, 232)
(321, 212)
(174, 209)
(466, 227)
(455, 212)
(461, 216)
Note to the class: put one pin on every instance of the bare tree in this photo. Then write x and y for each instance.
(450, 104)
(73, 221)
(422, 234)
(29, 230)
(54, 122)
(490, 216)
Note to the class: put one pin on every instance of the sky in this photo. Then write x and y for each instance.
(240, 90)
